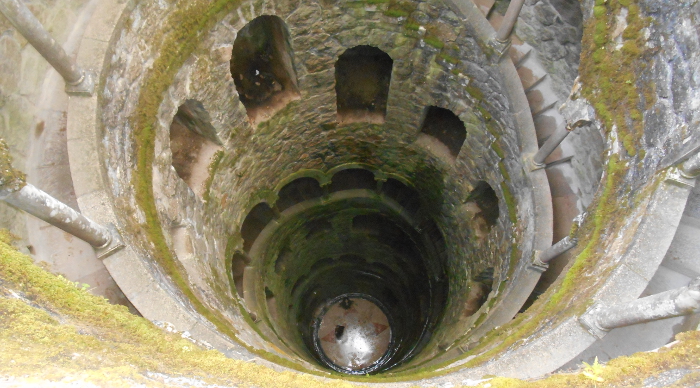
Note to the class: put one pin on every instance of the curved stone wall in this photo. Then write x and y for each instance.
(438, 60)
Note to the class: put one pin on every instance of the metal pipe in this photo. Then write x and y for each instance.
(673, 303)
(43, 206)
(509, 20)
(550, 145)
(29, 26)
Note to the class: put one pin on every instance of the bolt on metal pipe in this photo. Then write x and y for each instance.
(77, 80)
(509, 20)
(681, 301)
(41, 205)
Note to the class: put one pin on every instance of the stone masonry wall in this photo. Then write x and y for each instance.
(438, 60)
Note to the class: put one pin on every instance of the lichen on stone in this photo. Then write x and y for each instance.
(11, 179)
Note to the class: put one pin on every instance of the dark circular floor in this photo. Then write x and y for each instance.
(353, 334)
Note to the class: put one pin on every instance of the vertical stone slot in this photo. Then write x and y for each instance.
(262, 67)
(238, 263)
(296, 191)
(479, 288)
(482, 203)
(362, 78)
(193, 143)
(256, 220)
(443, 125)
(353, 178)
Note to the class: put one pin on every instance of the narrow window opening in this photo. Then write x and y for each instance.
(362, 77)
(482, 203)
(193, 144)
(254, 223)
(238, 263)
(353, 178)
(479, 289)
(299, 190)
(444, 126)
(262, 67)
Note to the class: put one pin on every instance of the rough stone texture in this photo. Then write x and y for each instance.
(554, 28)
(459, 77)
(673, 122)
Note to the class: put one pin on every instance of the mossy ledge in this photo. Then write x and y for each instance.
(54, 330)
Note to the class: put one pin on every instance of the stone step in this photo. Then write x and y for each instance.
(484, 6)
(531, 76)
(540, 101)
(519, 54)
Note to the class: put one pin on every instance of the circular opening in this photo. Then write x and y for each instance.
(352, 334)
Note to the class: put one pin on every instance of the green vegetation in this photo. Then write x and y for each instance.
(10, 178)
(610, 79)
(175, 46)
(64, 332)
(434, 41)
(213, 166)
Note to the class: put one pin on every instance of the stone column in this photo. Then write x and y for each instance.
(691, 168)
(549, 146)
(15, 191)
(543, 257)
(78, 81)
(600, 319)
(509, 20)
(58, 214)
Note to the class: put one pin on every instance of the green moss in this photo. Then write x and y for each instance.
(213, 166)
(447, 58)
(66, 331)
(411, 25)
(396, 13)
(609, 75)
(510, 203)
(10, 178)
(475, 92)
(175, 46)
(499, 151)
(434, 41)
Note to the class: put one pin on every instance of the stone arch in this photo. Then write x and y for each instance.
(256, 220)
(296, 191)
(443, 125)
(362, 78)
(193, 144)
(262, 67)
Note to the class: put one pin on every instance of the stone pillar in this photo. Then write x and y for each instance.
(543, 257)
(78, 81)
(58, 214)
(15, 191)
(509, 20)
(600, 319)
(549, 146)
(691, 168)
